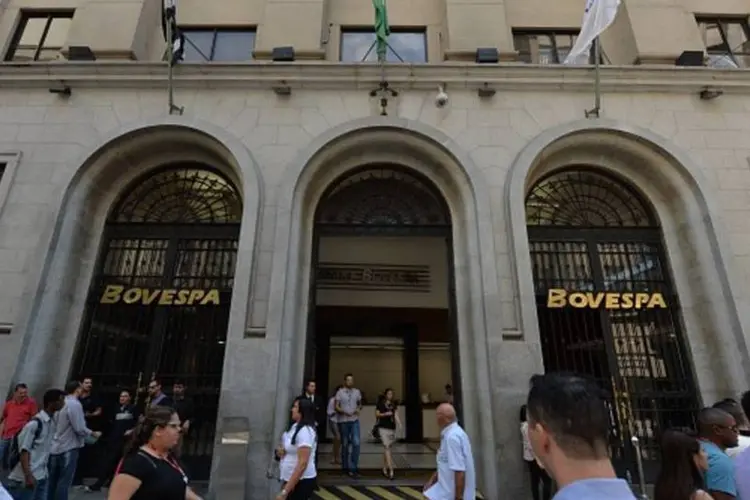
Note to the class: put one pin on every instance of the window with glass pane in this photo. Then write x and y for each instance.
(225, 45)
(726, 41)
(40, 36)
(544, 47)
(404, 46)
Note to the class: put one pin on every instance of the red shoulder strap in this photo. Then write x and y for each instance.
(119, 466)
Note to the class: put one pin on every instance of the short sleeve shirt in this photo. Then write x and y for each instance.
(720, 474)
(453, 456)
(742, 475)
(596, 489)
(162, 479)
(306, 438)
(38, 448)
(385, 407)
(16, 415)
(348, 400)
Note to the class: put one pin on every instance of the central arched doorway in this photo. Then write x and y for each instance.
(383, 303)
(594, 235)
(158, 306)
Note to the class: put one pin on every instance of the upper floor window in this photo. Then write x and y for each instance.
(358, 45)
(726, 41)
(40, 36)
(545, 47)
(228, 45)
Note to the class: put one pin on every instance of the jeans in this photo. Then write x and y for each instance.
(19, 491)
(349, 437)
(62, 468)
(4, 447)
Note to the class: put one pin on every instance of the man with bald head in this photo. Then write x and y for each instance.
(718, 431)
(455, 478)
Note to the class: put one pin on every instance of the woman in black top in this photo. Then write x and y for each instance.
(387, 422)
(683, 465)
(149, 471)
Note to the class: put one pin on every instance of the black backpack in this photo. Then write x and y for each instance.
(13, 456)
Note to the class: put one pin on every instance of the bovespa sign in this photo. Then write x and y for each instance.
(115, 294)
(558, 298)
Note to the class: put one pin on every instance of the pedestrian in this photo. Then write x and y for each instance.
(683, 465)
(537, 476)
(386, 412)
(113, 444)
(28, 479)
(348, 407)
(297, 453)
(455, 478)
(148, 470)
(17, 411)
(71, 434)
(569, 431)
(718, 431)
(333, 424)
(743, 426)
(90, 455)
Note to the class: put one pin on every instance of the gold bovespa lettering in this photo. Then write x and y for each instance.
(114, 294)
(559, 298)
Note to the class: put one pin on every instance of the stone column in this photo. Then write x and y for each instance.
(644, 22)
(295, 23)
(477, 23)
(129, 37)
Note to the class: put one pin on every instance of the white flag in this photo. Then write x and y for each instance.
(597, 17)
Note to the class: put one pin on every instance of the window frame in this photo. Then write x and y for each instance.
(215, 31)
(9, 161)
(742, 21)
(552, 34)
(25, 16)
(358, 29)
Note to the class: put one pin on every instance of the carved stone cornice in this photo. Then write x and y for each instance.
(340, 76)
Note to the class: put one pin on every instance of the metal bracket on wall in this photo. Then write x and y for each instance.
(255, 332)
(6, 328)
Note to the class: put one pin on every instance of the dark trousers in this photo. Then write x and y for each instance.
(111, 453)
(537, 476)
(86, 458)
(304, 490)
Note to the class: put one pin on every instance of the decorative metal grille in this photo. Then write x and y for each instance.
(185, 195)
(174, 232)
(637, 355)
(383, 197)
(585, 198)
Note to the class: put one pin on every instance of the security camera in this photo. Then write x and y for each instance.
(441, 99)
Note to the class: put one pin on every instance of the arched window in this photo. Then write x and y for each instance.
(187, 194)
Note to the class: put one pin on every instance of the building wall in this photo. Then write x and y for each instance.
(55, 137)
(455, 28)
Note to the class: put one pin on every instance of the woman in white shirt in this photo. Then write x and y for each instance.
(537, 475)
(297, 452)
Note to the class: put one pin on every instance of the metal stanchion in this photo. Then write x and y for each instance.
(639, 461)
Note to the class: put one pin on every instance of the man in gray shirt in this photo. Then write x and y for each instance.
(348, 406)
(28, 479)
(70, 436)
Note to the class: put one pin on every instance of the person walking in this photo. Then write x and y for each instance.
(28, 479)
(683, 465)
(149, 471)
(297, 453)
(333, 424)
(125, 419)
(348, 407)
(569, 435)
(387, 423)
(455, 478)
(70, 436)
(17, 411)
(537, 475)
(718, 432)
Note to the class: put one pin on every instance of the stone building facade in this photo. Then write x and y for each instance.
(74, 136)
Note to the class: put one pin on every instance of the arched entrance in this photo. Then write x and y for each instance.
(591, 233)
(159, 302)
(382, 298)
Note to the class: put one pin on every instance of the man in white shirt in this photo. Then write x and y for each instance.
(455, 478)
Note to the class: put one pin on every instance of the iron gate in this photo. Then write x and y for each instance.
(159, 303)
(591, 233)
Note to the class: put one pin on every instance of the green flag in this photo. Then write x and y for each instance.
(382, 29)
